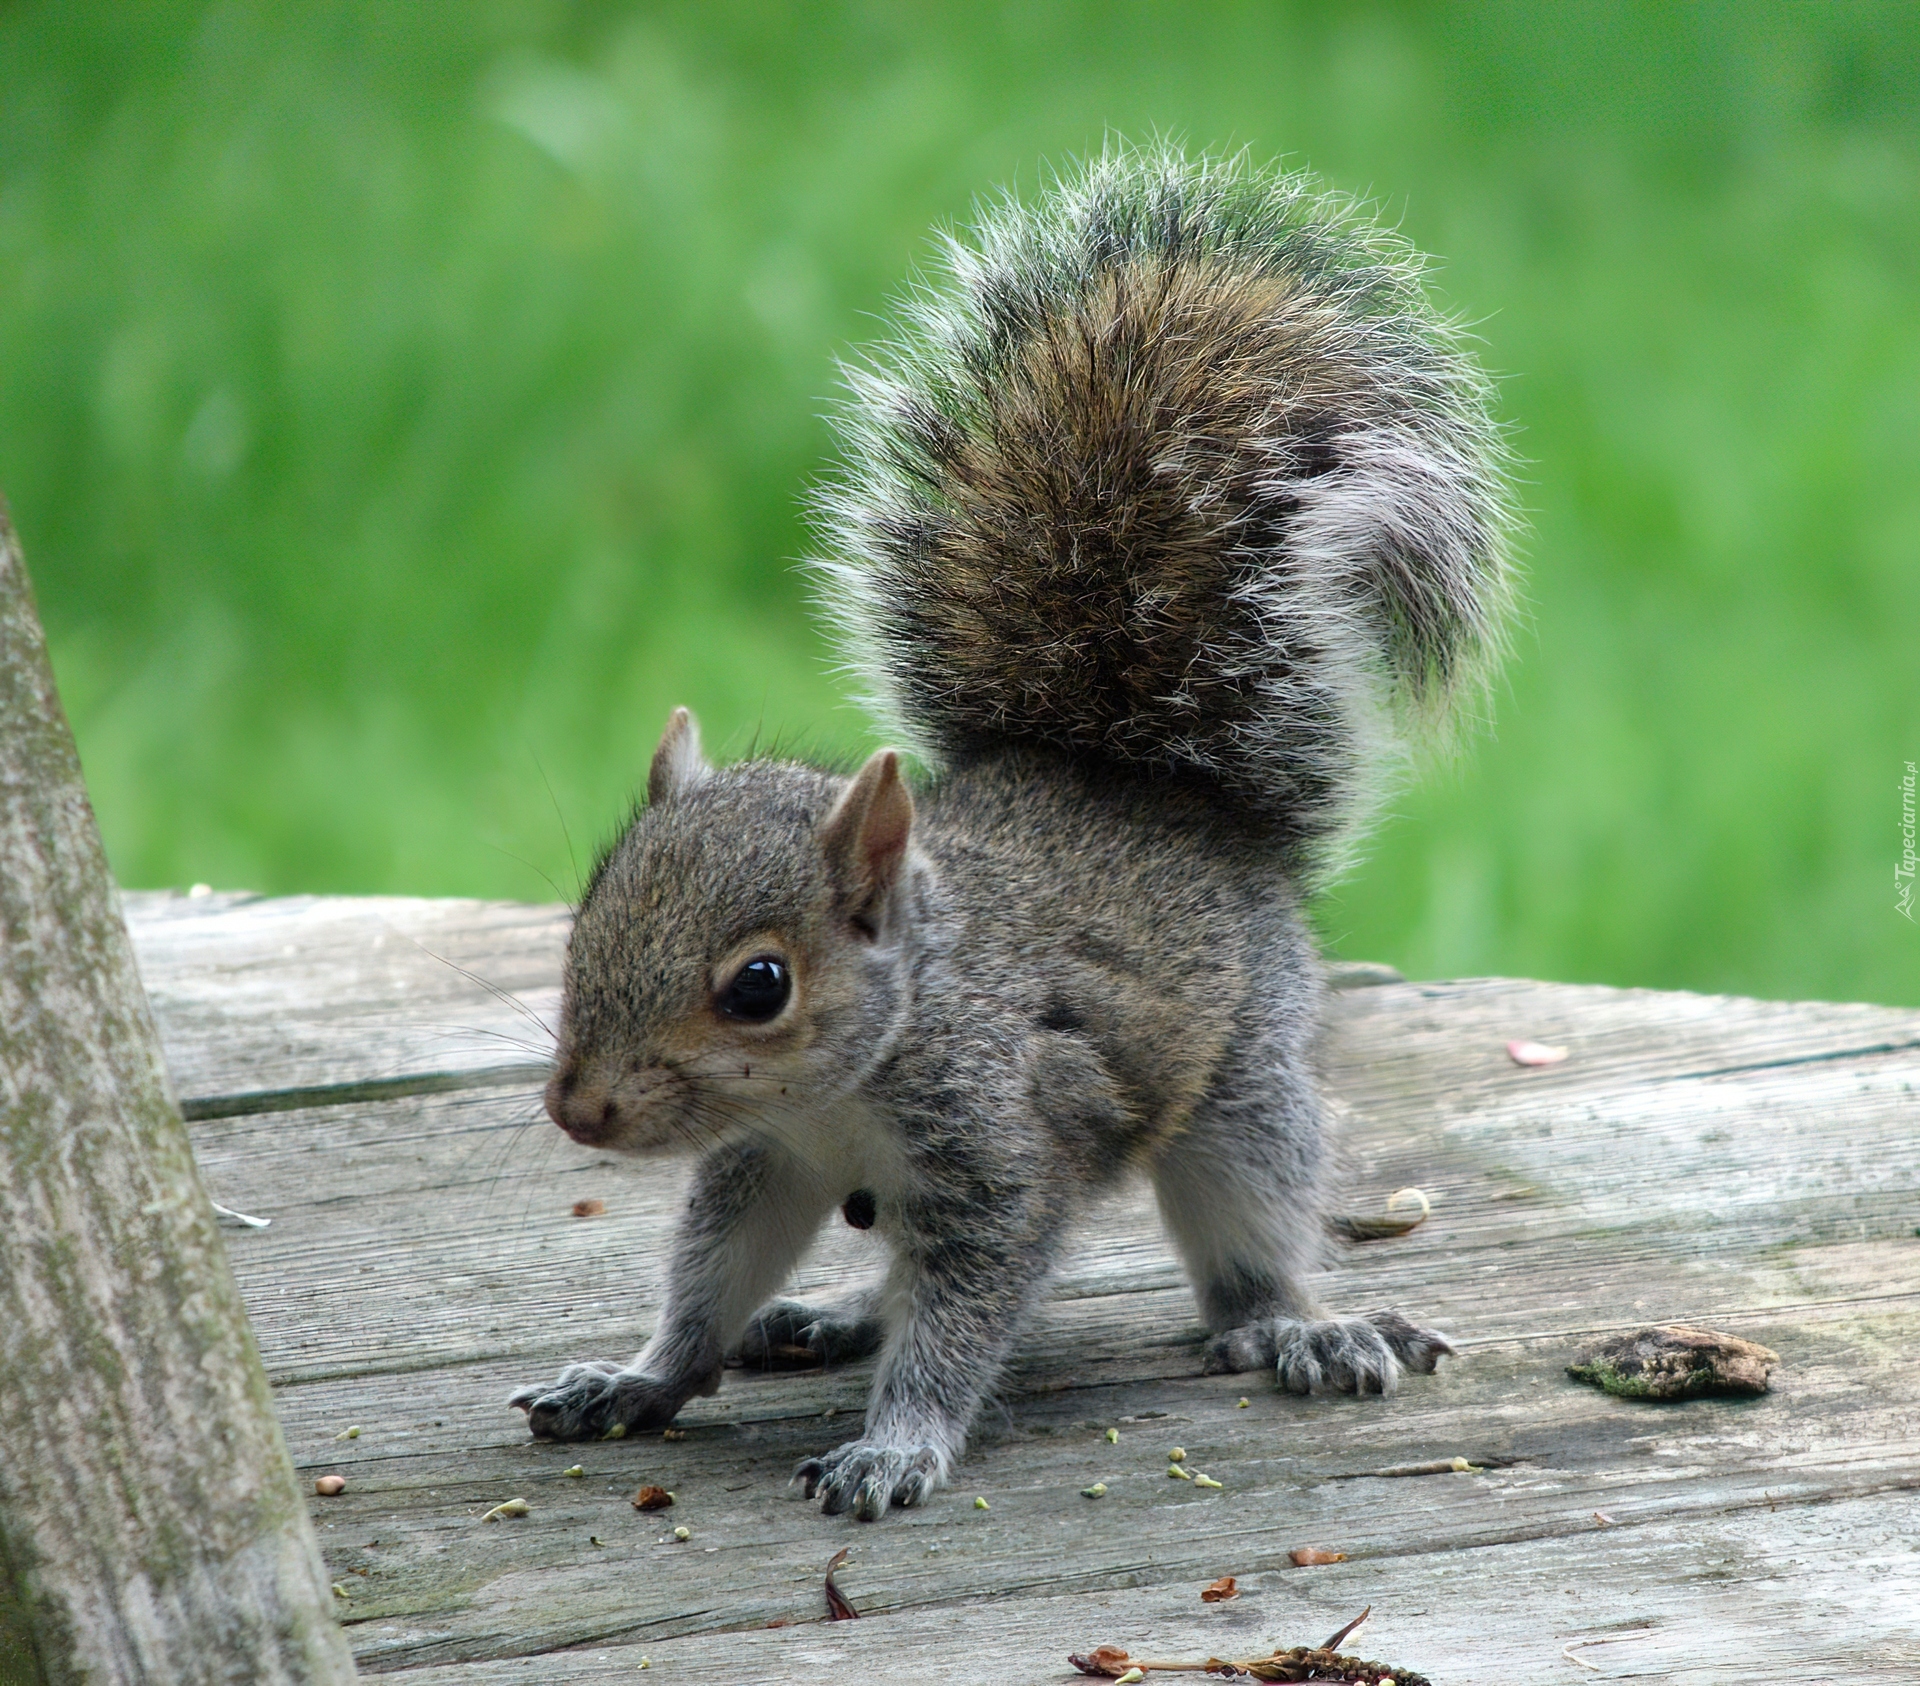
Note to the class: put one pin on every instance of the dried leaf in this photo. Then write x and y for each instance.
(1534, 1053)
(1220, 1591)
(1107, 1660)
(838, 1609)
(652, 1498)
(1304, 1555)
(588, 1208)
(1332, 1643)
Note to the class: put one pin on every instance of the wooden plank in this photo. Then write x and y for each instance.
(1755, 1595)
(266, 1002)
(1748, 1163)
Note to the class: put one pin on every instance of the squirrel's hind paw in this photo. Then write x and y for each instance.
(589, 1399)
(1334, 1355)
(866, 1478)
(786, 1335)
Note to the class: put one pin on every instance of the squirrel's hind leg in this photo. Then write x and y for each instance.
(1240, 1192)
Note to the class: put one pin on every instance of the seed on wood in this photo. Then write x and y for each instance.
(577, 1471)
(513, 1507)
(349, 1433)
(1304, 1555)
(981, 1504)
(1178, 1455)
(683, 1533)
(588, 1208)
(618, 1431)
(1097, 1491)
(330, 1486)
(1534, 1053)
(1113, 1437)
(1206, 1481)
(1178, 1473)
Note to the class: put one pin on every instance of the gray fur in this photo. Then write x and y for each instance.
(1077, 952)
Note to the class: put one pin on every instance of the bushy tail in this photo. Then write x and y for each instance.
(1179, 470)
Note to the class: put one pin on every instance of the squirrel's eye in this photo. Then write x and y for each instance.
(758, 990)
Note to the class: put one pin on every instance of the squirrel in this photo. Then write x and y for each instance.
(1170, 512)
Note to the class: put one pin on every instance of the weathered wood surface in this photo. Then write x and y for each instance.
(1748, 1164)
(150, 1524)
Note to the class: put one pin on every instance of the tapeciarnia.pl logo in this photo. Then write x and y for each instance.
(1903, 870)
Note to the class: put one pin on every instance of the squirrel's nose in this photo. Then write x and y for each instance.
(584, 1110)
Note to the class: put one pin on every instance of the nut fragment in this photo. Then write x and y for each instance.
(1534, 1053)
(683, 1533)
(330, 1486)
(652, 1498)
(588, 1208)
(513, 1507)
(1675, 1361)
(1304, 1555)
(1220, 1591)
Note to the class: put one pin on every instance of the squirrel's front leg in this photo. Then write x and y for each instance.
(751, 1210)
(966, 1271)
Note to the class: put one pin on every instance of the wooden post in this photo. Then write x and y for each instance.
(151, 1528)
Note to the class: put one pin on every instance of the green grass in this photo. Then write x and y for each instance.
(404, 406)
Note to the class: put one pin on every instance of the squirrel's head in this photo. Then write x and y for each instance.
(740, 957)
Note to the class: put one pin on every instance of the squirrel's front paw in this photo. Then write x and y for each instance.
(1335, 1355)
(589, 1399)
(786, 1335)
(865, 1477)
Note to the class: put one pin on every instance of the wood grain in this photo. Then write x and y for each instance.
(1746, 1164)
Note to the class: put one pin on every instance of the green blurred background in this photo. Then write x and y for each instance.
(404, 406)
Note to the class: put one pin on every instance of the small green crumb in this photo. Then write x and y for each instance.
(595, 1539)
(1462, 1467)
(349, 1433)
(1206, 1481)
(1244, 1403)
(617, 1432)
(683, 1533)
(1178, 1473)
(646, 1662)
(574, 1470)
(339, 1591)
(1097, 1491)
(1113, 1437)
(981, 1504)
(1178, 1455)
(1130, 1677)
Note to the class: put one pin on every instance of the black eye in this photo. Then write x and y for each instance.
(758, 990)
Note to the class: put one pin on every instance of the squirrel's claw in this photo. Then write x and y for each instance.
(867, 1479)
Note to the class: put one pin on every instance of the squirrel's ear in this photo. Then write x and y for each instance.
(865, 837)
(677, 763)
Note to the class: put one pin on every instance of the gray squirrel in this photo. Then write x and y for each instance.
(1167, 516)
